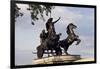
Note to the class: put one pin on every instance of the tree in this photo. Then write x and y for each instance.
(17, 13)
(39, 9)
(35, 10)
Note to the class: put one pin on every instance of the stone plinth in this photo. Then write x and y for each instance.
(56, 59)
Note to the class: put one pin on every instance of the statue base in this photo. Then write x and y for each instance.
(56, 59)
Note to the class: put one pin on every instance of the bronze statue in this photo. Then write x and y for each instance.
(50, 26)
(43, 36)
(50, 40)
(70, 39)
(50, 43)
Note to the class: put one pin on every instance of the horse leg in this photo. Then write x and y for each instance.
(65, 50)
(52, 52)
(58, 51)
(48, 53)
(78, 41)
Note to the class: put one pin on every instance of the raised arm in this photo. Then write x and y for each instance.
(56, 20)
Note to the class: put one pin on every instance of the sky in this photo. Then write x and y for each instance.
(27, 35)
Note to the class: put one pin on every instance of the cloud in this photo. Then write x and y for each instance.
(66, 15)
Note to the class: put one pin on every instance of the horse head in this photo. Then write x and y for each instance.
(72, 26)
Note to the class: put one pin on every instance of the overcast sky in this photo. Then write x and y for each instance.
(27, 35)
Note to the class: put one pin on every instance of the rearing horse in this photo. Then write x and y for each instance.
(70, 39)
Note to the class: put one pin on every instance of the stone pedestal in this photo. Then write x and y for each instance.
(56, 59)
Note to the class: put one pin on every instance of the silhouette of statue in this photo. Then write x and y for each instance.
(50, 26)
(43, 36)
(70, 32)
(50, 42)
(70, 39)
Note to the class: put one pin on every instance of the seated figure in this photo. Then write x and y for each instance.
(43, 36)
(50, 25)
